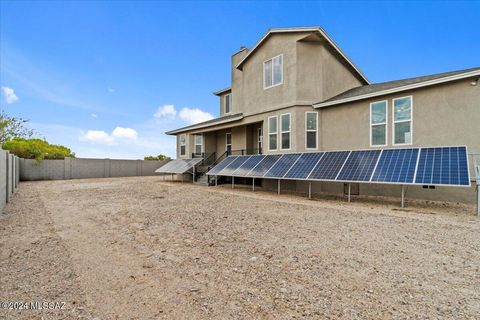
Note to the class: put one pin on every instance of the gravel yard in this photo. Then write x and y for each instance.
(142, 248)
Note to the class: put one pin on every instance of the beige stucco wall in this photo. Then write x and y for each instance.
(320, 75)
(446, 114)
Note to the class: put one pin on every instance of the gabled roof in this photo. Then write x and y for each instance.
(209, 123)
(320, 31)
(378, 89)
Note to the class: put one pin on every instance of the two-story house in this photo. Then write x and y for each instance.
(296, 91)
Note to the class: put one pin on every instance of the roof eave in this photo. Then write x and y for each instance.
(220, 92)
(398, 89)
(200, 126)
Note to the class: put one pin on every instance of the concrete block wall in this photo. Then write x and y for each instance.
(3, 178)
(9, 173)
(83, 168)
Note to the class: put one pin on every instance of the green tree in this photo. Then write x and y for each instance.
(160, 157)
(11, 127)
(36, 149)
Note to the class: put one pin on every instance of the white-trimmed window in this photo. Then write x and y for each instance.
(228, 103)
(285, 130)
(273, 72)
(272, 133)
(402, 120)
(311, 128)
(378, 123)
(228, 143)
(198, 143)
(183, 144)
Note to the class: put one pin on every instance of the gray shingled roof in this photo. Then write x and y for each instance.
(208, 123)
(372, 88)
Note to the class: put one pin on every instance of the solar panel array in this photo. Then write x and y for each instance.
(178, 166)
(421, 166)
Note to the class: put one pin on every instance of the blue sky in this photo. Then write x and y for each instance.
(94, 75)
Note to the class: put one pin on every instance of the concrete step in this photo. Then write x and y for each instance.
(203, 180)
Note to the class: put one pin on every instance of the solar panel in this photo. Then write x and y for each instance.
(281, 167)
(179, 166)
(427, 166)
(396, 165)
(264, 165)
(234, 165)
(359, 166)
(329, 166)
(304, 165)
(443, 166)
(219, 167)
(248, 165)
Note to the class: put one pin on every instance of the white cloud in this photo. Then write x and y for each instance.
(9, 94)
(98, 136)
(125, 133)
(167, 110)
(118, 134)
(94, 115)
(194, 115)
(111, 90)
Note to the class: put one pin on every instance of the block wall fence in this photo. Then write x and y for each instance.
(9, 176)
(14, 169)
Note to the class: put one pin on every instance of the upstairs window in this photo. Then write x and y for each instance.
(273, 72)
(272, 132)
(311, 130)
(228, 103)
(402, 121)
(285, 130)
(378, 123)
(183, 144)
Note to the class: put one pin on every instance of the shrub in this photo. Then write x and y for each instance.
(160, 157)
(36, 149)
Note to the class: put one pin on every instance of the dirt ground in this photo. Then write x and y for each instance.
(142, 248)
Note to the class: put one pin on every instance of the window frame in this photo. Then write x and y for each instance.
(195, 143)
(229, 96)
(310, 130)
(260, 139)
(289, 131)
(402, 121)
(272, 133)
(183, 145)
(226, 141)
(378, 124)
(272, 71)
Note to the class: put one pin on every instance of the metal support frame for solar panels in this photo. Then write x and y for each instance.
(403, 184)
(476, 167)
